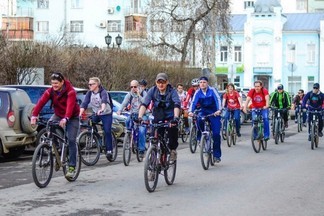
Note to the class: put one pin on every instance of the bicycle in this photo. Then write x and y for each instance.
(131, 144)
(299, 117)
(231, 129)
(314, 128)
(193, 135)
(206, 145)
(157, 159)
(53, 150)
(182, 130)
(258, 141)
(91, 143)
(279, 126)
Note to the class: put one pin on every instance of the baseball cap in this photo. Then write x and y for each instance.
(316, 85)
(203, 78)
(280, 87)
(161, 76)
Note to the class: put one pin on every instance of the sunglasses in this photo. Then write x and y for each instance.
(315, 88)
(161, 82)
(57, 76)
(133, 87)
(91, 84)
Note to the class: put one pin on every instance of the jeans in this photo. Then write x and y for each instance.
(106, 123)
(265, 117)
(320, 122)
(172, 135)
(141, 131)
(72, 130)
(237, 117)
(304, 115)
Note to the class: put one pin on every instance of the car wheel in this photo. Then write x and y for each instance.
(14, 152)
(25, 119)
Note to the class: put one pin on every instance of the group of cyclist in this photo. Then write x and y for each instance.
(167, 104)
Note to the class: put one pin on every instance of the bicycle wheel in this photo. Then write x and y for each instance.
(138, 156)
(42, 165)
(115, 148)
(89, 148)
(127, 146)
(234, 137)
(282, 132)
(299, 123)
(276, 133)
(264, 145)
(184, 136)
(256, 143)
(223, 132)
(151, 170)
(204, 153)
(229, 134)
(77, 168)
(193, 139)
(170, 172)
(316, 137)
(312, 135)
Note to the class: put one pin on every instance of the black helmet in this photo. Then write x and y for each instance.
(143, 82)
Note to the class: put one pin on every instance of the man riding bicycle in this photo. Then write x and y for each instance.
(135, 98)
(184, 109)
(297, 104)
(233, 102)
(281, 99)
(260, 100)
(210, 103)
(314, 100)
(166, 107)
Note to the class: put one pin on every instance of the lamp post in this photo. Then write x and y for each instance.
(108, 40)
(119, 40)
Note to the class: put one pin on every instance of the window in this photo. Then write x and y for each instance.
(311, 53)
(237, 81)
(294, 83)
(248, 4)
(301, 4)
(223, 54)
(76, 3)
(157, 25)
(263, 54)
(291, 52)
(177, 26)
(42, 26)
(237, 54)
(42, 4)
(76, 26)
(310, 82)
(114, 26)
(136, 5)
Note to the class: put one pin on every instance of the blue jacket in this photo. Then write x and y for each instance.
(313, 100)
(209, 102)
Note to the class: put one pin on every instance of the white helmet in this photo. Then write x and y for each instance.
(195, 81)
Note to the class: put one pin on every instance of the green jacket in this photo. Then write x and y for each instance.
(280, 100)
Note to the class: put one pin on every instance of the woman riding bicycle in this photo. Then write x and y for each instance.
(66, 110)
(233, 102)
(260, 100)
(101, 105)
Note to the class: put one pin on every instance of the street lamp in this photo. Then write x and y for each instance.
(119, 40)
(108, 40)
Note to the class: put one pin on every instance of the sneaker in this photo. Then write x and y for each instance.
(266, 138)
(141, 154)
(217, 160)
(296, 121)
(320, 134)
(70, 173)
(304, 125)
(173, 155)
(309, 138)
(238, 134)
(109, 155)
(286, 124)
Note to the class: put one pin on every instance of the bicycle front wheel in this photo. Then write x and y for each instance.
(229, 134)
(42, 165)
(204, 152)
(256, 143)
(170, 172)
(151, 170)
(114, 147)
(77, 168)
(193, 139)
(277, 129)
(127, 148)
(313, 135)
(299, 122)
(89, 148)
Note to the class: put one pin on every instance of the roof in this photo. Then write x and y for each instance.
(295, 22)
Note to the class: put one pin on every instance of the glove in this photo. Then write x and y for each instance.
(138, 120)
(175, 121)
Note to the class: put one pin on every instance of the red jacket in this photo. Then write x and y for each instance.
(64, 103)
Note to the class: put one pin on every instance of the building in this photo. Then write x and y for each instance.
(273, 47)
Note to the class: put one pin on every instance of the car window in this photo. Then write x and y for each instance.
(4, 104)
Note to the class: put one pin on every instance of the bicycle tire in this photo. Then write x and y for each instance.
(89, 148)
(127, 148)
(151, 170)
(312, 135)
(234, 137)
(193, 139)
(115, 148)
(223, 132)
(43, 159)
(229, 134)
(255, 142)
(77, 164)
(276, 133)
(316, 137)
(264, 144)
(299, 122)
(204, 153)
(170, 172)
(184, 137)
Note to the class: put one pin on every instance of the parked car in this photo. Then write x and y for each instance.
(16, 132)
(118, 95)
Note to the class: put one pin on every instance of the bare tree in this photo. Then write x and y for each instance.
(177, 25)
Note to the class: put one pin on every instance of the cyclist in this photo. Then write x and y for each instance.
(260, 100)
(134, 98)
(191, 91)
(232, 101)
(166, 106)
(281, 99)
(66, 111)
(184, 109)
(313, 100)
(210, 103)
(101, 104)
(297, 102)
(143, 85)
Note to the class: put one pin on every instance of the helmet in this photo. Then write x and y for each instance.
(143, 82)
(195, 81)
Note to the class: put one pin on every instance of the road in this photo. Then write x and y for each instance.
(286, 179)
